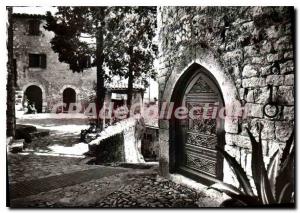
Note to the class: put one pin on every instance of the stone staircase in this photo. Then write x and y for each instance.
(14, 145)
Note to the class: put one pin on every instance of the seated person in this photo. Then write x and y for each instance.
(31, 109)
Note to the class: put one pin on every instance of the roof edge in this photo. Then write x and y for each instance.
(26, 15)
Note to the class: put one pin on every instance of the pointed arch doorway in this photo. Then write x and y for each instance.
(194, 139)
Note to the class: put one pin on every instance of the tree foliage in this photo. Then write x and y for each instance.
(117, 38)
(135, 50)
(132, 43)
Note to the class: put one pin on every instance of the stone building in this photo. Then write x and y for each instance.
(233, 56)
(43, 80)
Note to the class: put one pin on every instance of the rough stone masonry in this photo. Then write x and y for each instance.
(56, 76)
(245, 49)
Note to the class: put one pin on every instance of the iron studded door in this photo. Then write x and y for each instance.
(200, 131)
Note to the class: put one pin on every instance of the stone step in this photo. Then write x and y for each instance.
(138, 165)
(19, 95)
(39, 134)
(23, 132)
(19, 102)
(16, 146)
(27, 128)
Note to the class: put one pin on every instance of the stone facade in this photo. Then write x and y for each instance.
(56, 76)
(53, 79)
(245, 49)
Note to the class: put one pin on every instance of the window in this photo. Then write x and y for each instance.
(85, 62)
(37, 60)
(34, 27)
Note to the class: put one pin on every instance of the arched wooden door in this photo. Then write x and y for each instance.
(69, 96)
(198, 135)
(34, 96)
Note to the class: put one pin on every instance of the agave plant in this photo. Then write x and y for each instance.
(274, 185)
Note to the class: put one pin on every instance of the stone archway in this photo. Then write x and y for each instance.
(40, 86)
(174, 84)
(34, 95)
(69, 96)
(193, 141)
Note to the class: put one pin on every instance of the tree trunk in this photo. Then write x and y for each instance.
(130, 80)
(10, 87)
(100, 91)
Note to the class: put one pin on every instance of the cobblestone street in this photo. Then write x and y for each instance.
(38, 179)
(130, 188)
(30, 167)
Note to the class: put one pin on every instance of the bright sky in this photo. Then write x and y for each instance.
(34, 10)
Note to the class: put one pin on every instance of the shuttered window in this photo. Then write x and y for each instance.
(34, 27)
(85, 62)
(38, 60)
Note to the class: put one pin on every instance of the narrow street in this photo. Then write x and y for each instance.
(43, 176)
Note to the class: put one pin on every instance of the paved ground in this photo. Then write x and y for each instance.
(31, 167)
(96, 186)
(32, 187)
(60, 181)
(64, 132)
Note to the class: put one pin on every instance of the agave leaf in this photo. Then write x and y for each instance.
(246, 200)
(288, 159)
(265, 187)
(226, 188)
(239, 172)
(235, 193)
(256, 162)
(273, 170)
(286, 173)
(286, 194)
(287, 148)
(266, 192)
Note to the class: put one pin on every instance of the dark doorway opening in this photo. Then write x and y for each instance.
(69, 96)
(34, 96)
(149, 145)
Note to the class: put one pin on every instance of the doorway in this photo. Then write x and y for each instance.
(69, 96)
(194, 139)
(34, 96)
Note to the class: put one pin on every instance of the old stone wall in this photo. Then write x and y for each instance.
(121, 142)
(245, 49)
(110, 150)
(56, 76)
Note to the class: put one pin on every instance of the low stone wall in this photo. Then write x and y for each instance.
(119, 143)
(109, 150)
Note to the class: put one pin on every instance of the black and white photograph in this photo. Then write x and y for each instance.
(150, 107)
